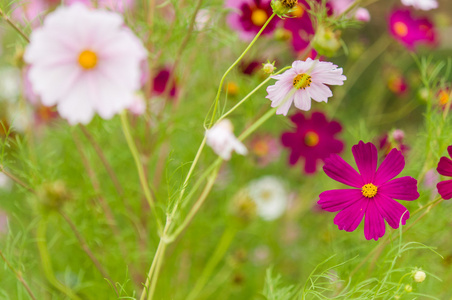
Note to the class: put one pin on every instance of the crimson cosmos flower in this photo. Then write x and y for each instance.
(445, 168)
(373, 192)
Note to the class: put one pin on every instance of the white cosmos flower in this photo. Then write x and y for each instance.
(305, 80)
(270, 196)
(222, 140)
(85, 61)
(421, 4)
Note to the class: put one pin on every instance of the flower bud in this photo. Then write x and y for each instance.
(243, 206)
(408, 288)
(53, 195)
(326, 41)
(268, 67)
(283, 7)
(419, 276)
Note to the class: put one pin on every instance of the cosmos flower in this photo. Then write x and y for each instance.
(31, 11)
(411, 31)
(373, 192)
(222, 140)
(445, 168)
(248, 16)
(397, 83)
(421, 4)
(305, 80)
(86, 69)
(116, 5)
(270, 197)
(314, 140)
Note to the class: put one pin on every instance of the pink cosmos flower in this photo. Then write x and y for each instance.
(31, 11)
(314, 140)
(373, 191)
(222, 140)
(305, 80)
(265, 149)
(411, 31)
(421, 4)
(445, 168)
(90, 68)
(248, 16)
(301, 28)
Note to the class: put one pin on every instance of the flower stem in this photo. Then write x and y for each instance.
(217, 98)
(14, 26)
(47, 263)
(140, 169)
(18, 276)
(220, 251)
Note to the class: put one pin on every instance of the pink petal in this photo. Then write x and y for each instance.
(320, 92)
(350, 218)
(392, 211)
(445, 166)
(336, 200)
(449, 150)
(338, 169)
(302, 100)
(445, 189)
(403, 188)
(390, 167)
(366, 158)
(374, 224)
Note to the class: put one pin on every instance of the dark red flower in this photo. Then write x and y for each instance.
(445, 168)
(313, 139)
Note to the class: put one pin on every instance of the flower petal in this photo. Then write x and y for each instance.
(392, 211)
(302, 100)
(403, 188)
(350, 218)
(392, 165)
(338, 169)
(445, 189)
(445, 166)
(366, 158)
(374, 224)
(336, 200)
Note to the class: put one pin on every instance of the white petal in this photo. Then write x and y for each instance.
(320, 92)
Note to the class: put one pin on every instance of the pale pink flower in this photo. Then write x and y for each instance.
(340, 6)
(138, 106)
(90, 68)
(421, 4)
(116, 5)
(222, 140)
(305, 80)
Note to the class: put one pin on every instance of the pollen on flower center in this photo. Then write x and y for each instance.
(87, 59)
(311, 139)
(400, 29)
(302, 81)
(369, 190)
(258, 17)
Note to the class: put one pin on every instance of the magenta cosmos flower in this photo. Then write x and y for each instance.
(411, 31)
(90, 68)
(248, 16)
(305, 80)
(301, 28)
(373, 192)
(314, 140)
(445, 168)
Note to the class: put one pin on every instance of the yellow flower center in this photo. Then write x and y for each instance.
(258, 17)
(400, 29)
(298, 11)
(87, 59)
(302, 81)
(311, 139)
(369, 190)
(289, 3)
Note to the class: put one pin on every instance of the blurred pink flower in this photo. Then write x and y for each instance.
(31, 11)
(116, 5)
(301, 28)
(265, 148)
(248, 16)
(160, 82)
(305, 80)
(90, 68)
(411, 31)
(222, 140)
(340, 6)
(394, 139)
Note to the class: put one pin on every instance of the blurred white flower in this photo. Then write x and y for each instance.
(222, 140)
(203, 19)
(85, 61)
(138, 106)
(421, 4)
(270, 196)
(5, 182)
(10, 79)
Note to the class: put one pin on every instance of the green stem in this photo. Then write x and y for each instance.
(217, 98)
(220, 251)
(11, 23)
(257, 124)
(47, 263)
(139, 165)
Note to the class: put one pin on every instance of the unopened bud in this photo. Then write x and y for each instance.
(326, 41)
(419, 276)
(268, 67)
(408, 288)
